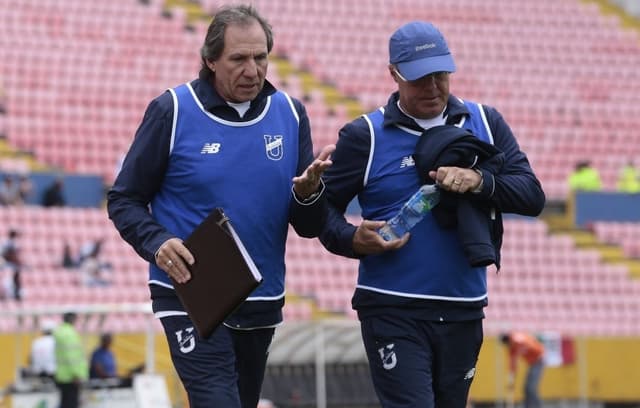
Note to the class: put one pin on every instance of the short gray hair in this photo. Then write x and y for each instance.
(214, 41)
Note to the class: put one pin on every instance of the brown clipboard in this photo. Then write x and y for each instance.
(222, 276)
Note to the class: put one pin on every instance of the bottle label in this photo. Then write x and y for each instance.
(411, 212)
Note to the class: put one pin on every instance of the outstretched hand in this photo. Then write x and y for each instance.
(308, 182)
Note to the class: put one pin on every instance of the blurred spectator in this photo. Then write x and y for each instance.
(91, 267)
(10, 253)
(3, 100)
(6, 282)
(585, 177)
(9, 191)
(103, 368)
(92, 271)
(3, 134)
(43, 357)
(531, 350)
(629, 179)
(90, 248)
(53, 196)
(103, 361)
(25, 187)
(71, 363)
(68, 261)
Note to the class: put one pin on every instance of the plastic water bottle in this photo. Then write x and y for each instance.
(414, 210)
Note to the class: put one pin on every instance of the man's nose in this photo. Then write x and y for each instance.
(250, 68)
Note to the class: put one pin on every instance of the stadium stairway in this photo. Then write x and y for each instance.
(608, 7)
(587, 239)
(194, 12)
(332, 96)
(10, 154)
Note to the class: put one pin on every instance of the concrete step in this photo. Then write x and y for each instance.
(283, 67)
(610, 253)
(634, 267)
(584, 238)
(558, 222)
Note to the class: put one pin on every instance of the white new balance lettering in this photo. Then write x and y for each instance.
(407, 161)
(210, 148)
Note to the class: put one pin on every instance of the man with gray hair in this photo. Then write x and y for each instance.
(228, 139)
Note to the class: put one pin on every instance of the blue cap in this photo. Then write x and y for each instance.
(418, 49)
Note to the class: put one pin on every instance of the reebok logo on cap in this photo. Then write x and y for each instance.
(418, 49)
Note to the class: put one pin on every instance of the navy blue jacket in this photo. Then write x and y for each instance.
(478, 231)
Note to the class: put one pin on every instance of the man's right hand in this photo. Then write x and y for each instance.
(173, 257)
(367, 241)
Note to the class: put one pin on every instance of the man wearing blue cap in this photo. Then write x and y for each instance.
(419, 298)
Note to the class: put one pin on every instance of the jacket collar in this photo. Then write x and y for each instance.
(393, 116)
(213, 102)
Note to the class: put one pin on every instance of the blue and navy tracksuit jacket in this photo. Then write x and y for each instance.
(193, 153)
(430, 276)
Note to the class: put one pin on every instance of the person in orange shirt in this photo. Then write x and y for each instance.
(531, 350)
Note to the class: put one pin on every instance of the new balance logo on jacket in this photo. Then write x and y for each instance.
(407, 161)
(210, 148)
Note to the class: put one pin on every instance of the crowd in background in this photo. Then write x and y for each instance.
(57, 356)
(91, 270)
(17, 189)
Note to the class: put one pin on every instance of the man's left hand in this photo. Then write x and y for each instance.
(457, 179)
(309, 181)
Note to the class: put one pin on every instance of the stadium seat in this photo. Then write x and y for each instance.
(81, 109)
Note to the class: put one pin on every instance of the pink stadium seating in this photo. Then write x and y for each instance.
(566, 100)
(297, 311)
(80, 109)
(103, 65)
(46, 282)
(545, 282)
(625, 234)
(538, 82)
(565, 287)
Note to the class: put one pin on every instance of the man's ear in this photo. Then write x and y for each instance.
(392, 72)
(211, 64)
